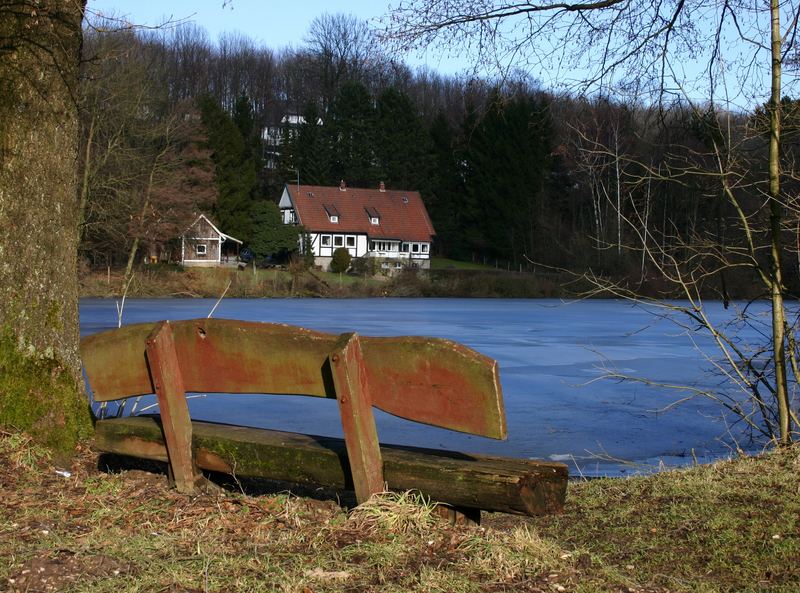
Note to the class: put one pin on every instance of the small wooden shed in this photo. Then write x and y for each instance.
(204, 245)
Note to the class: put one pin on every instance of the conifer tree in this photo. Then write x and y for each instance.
(244, 118)
(445, 188)
(311, 149)
(270, 236)
(403, 148)
(235, 173)
(508, 160)
(351, 134)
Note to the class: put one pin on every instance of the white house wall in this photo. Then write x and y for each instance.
(324, 244)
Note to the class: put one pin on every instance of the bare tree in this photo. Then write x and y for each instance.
(343, 47)
(730, 53)
(144, 171)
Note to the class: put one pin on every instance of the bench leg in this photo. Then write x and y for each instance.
(175, 420)
(358, 423)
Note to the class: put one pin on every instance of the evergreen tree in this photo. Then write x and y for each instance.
(235, 173)
(287, 165)
(508, 161)
(244, 118)
(351, 134)
(270, 237)
(311, 149)
(445, 189)
(468, 230)
(403, 148)
(305, 149)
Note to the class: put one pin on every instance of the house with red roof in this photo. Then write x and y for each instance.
(391, 226)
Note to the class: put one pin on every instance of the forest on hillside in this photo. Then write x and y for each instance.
(174, 123)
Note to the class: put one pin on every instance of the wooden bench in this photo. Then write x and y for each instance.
(428, 380)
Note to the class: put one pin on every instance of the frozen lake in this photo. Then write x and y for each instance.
(552, 358)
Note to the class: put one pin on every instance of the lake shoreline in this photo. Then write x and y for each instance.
(169, 281)
(172, 281)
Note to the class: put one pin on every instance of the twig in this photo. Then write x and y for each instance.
(121, 306)
(219, 300)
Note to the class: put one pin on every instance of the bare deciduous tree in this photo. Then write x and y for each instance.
(730, 54)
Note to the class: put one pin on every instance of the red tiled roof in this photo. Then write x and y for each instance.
(402, 213)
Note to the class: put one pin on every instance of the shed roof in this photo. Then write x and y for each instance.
(222, 235)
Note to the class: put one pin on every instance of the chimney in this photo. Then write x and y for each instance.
(382, 187)
(342, 185)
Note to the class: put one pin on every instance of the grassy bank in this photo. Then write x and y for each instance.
(729, 527)
(172, 281)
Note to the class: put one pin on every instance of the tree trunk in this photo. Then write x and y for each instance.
(40, 381)
(84, 194)
(776, 276)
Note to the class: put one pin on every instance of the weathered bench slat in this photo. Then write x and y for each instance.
(472, 481)
(172, 405)
(358, 423)
(428, 380)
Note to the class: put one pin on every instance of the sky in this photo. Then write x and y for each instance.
(272, 23)
(278, 24)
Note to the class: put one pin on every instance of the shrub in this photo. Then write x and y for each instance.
(341, 260)
(362, 266)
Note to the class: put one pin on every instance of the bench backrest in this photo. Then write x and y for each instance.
(429, 380)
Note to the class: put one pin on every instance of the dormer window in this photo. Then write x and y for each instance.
(333, 213)
(373, 214)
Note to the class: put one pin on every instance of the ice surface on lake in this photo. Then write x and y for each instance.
(553, 357)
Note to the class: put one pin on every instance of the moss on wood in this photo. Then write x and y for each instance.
(40, 396)
(473, 481)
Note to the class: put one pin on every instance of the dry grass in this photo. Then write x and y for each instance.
(171, 281)
(732, 526)
(91, 531)
(707, 529)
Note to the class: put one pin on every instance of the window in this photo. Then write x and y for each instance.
(373, 214)
(383, 246)
(415, 247)
(200, 249)
(325, 241)
(350, 241)
(333, 212)
(338, 240)
(404, 247)
(424, 248)
(398, 265)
